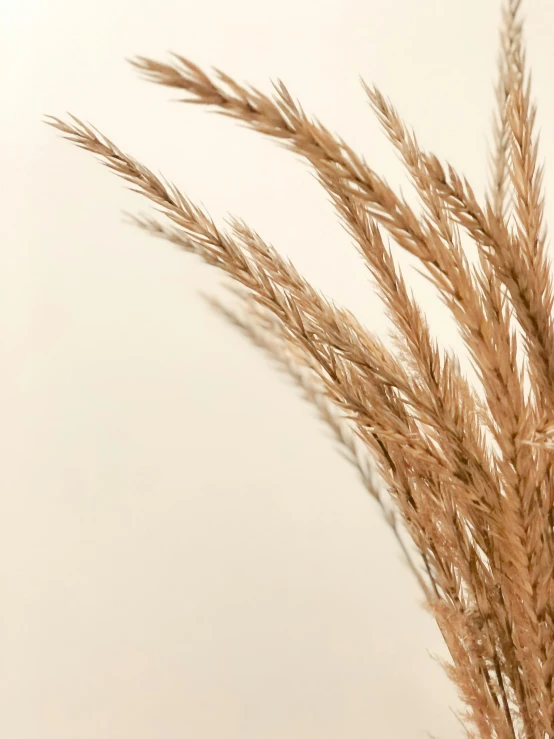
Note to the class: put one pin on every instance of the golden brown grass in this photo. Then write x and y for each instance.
(470, 471)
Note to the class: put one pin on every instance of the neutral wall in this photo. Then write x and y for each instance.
(183, 553)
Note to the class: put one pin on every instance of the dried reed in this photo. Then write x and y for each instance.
(471, 475)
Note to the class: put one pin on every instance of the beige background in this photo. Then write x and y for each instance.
(182, 551)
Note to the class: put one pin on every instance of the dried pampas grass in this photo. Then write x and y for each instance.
(470, 471)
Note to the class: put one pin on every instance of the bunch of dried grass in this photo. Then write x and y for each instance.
(471, 475)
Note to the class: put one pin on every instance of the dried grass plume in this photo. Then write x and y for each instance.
(469, 470)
